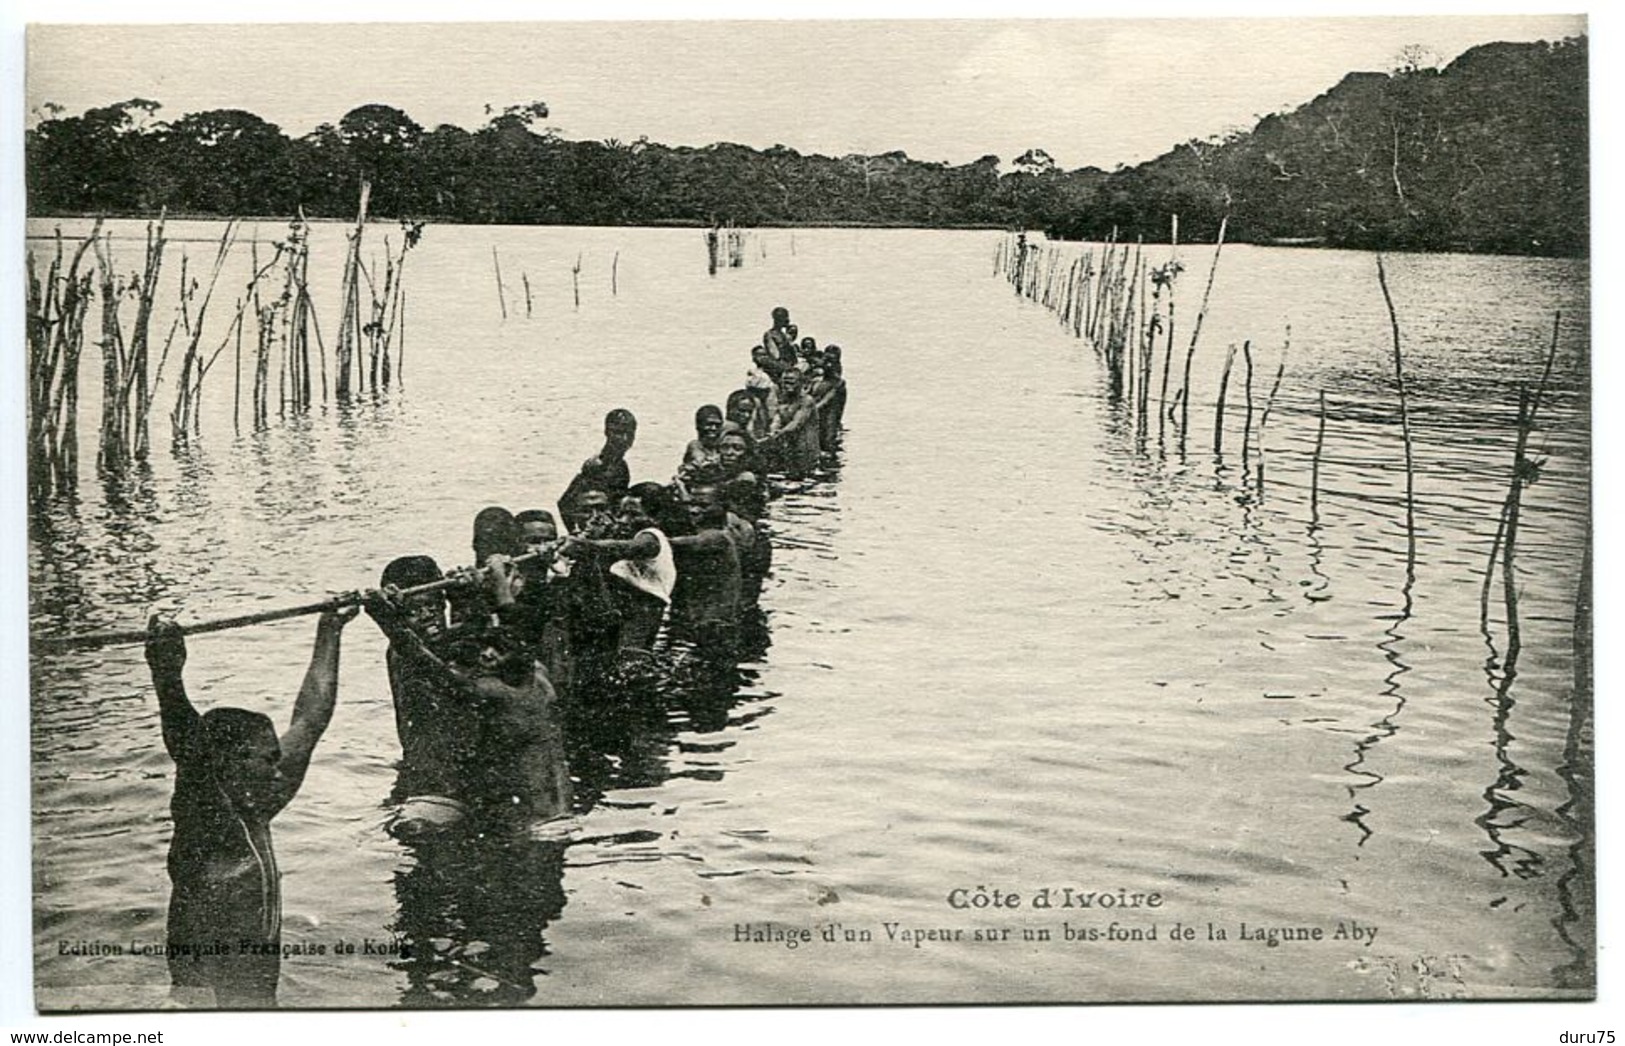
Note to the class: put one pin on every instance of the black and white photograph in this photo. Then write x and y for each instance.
(815, 512)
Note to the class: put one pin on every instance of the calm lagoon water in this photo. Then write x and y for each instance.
(1012, 646)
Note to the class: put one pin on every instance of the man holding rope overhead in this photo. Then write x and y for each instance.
(509, 767)
(435, 731)
(233, 774)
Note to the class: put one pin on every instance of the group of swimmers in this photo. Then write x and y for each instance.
(576, 606)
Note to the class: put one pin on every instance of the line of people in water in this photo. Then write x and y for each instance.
(575, 608)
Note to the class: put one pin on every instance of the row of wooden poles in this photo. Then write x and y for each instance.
(273, 313)
(575, 282)
(1125, 308)
(1113, 297)
(725, 247)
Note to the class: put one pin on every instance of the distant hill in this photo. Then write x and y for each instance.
(1488, 154)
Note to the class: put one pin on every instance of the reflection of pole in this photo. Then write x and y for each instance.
(1576, 888)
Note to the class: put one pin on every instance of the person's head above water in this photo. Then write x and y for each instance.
(781, 316)
(492, 652)
(632, 514)
(661, 507)
(708, 423)
(426, 612)
(620, 429)
(244, 757)
(706, 506)
(734, 449)
(741, 406)
(790, 383)
(592, 509)
(495, 533)
(536, 527)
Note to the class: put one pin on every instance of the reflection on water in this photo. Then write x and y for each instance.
(1015, 638)
(473, 912)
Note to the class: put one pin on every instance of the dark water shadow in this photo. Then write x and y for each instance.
(473, 911)
(1576, 888)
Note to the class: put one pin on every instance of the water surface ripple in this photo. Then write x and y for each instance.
(1011, 643)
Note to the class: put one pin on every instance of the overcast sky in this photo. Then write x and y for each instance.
(1099, 92)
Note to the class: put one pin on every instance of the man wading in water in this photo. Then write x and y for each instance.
(605, 471)
(437, 737)
(232, 775)
(517, 775)
(794, 432)
(705, 603)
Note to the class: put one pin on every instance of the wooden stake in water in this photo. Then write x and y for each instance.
(1523, 473)
(237, 377)
(400, 352)
(1314, 466)
(1526, 424)
(1218, 408)
(1247, 421)
(1269, 404)
(56, 313)
(502, 294)
(1196, 333)
(349, 332)
(1404, 412)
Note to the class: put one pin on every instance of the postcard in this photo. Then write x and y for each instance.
(809, 513)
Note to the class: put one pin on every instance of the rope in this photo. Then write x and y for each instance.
(123, 637)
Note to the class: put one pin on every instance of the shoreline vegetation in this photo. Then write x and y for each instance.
(1489, 154)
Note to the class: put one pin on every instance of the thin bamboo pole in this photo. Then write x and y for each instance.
(1196, 333)
(1247, 421)
(1218, 408)
(348, 336)
(1314, 468)
(1269, 405)
(1526, 422)
(93, 640)
(1404, 411)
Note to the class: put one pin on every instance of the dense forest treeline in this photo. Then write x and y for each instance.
(1487, 154)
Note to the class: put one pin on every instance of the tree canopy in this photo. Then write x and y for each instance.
(1489, 153)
